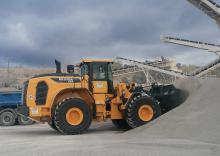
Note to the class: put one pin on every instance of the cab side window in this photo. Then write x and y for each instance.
(110, 76)
(99, 72)
(84, 70)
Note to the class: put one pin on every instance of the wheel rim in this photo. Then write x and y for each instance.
(74, 116)
(145, 113)
(7, 119)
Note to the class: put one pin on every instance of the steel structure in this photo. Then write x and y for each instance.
(214, 48)
(133, 70)
(125, 71)
(148, 69)
(209, 7)
(152, 73)
(206, 69)
(153, 68)
(199, 45)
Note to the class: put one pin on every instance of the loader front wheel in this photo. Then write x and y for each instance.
(72, 116)
(141, 110)
(121, 124)
(52, 125)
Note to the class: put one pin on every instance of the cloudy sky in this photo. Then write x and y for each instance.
(35, 32)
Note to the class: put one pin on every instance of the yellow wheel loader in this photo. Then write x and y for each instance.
(69, 102)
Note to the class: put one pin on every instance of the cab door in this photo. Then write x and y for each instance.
(99, 78)
(100, 88)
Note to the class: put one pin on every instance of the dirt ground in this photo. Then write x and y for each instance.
(101, 139)
(193, 128)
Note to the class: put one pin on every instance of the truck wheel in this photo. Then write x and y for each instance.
(52, 125)
(141, 110)
(72, 116)
(7, 119)
(22, 120)
(121, 124)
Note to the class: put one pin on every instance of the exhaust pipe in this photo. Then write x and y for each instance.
(58, 67)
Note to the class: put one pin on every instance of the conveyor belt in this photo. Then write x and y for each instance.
(198, 73)
(206, 69)
(209, 7)
(193, 44)
(153, 68)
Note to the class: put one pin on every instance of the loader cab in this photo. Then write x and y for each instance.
(99, 74)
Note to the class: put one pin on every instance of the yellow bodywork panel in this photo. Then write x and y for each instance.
(96, 60)
(117, 103)
(64, 87)
(57, 91)
(100, 87)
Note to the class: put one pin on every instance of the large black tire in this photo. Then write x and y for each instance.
(52, 125)
(7, 118)
(121, 124)
(22, 120)
(60, 116)
(132, 115)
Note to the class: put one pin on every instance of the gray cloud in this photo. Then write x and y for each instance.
(35, 32)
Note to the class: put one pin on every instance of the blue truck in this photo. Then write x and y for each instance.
(9, 103)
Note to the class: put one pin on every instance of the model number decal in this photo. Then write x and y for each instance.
(66, 80)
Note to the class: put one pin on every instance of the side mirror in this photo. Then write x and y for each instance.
(70, 68)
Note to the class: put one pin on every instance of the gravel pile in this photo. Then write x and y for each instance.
(196, 121)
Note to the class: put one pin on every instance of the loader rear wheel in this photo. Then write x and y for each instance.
(141, 110)
(72, 116)
(7, 118)
(121, 124)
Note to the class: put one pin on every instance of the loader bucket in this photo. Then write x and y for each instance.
(169, 96)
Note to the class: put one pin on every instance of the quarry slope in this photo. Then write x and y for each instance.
(197, 119)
